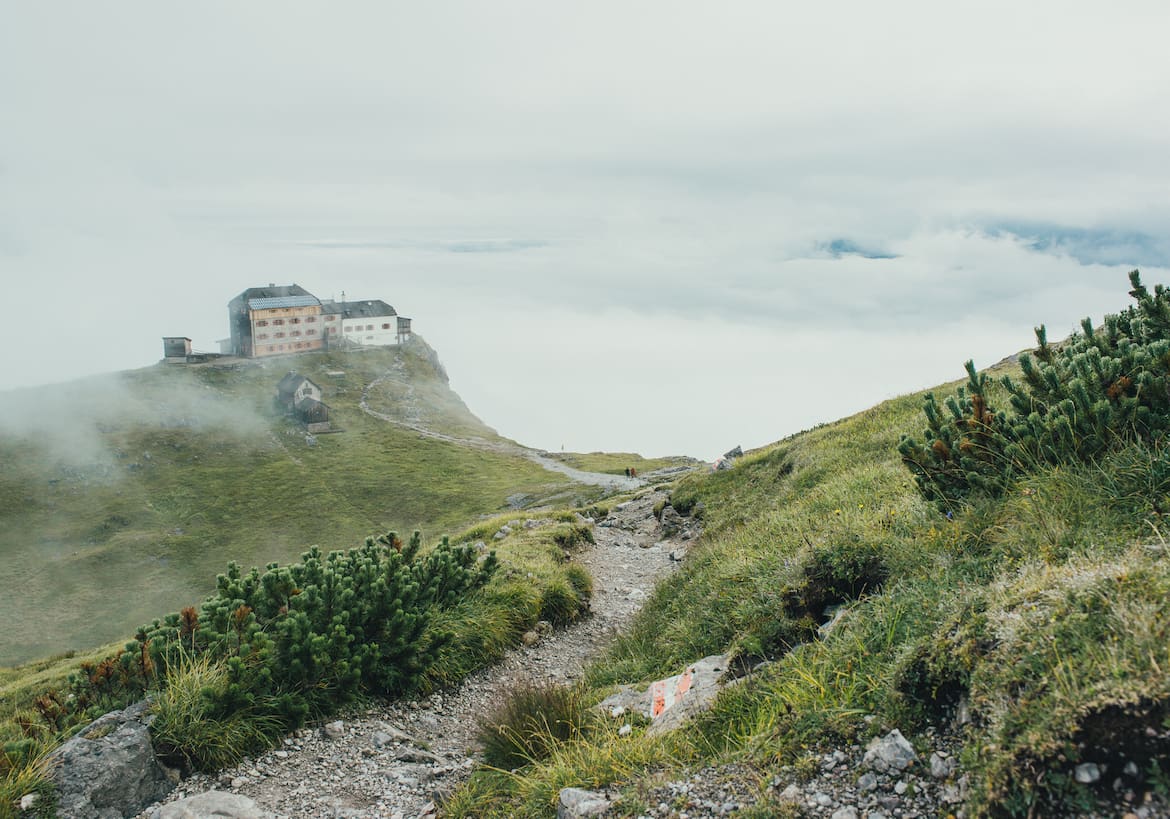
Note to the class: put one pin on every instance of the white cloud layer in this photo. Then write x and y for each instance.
(664, 227)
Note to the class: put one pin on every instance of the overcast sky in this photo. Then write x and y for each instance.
(668, 227)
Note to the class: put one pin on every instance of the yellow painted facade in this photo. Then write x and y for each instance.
(282, 330)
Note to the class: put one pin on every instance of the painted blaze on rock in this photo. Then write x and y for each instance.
(671, 701)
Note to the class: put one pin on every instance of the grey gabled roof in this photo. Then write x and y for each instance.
(282, 301)
(291, 382)
(273, 291)
(367, 308)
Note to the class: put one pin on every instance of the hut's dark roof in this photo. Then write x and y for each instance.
(367, 308)
(291, 382)
(274, 291)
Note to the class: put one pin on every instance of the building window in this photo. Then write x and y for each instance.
(332, 331)
(279, 335)
(295, 333)
(262, 335)
(349, 329)
(311, 320)
(385, 326)
(310, 332)
(262, 323)
(294, 320)
(278, 321)
(331, 318)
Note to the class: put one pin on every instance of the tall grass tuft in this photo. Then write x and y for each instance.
(25, 771)
(531, 723)
(191, 730)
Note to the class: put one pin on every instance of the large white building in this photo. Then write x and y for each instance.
(277, 320)
(367, 323)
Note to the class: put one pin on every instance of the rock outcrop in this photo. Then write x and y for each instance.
(109, 770)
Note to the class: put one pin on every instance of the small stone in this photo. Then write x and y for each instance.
(574, 803)
(625, 730)
(940, 767)
(617, 711)
(1087, 773)
(333, 730)
(1131, 770)
(847, 812)
(280, 754)
(792, 793)
(893, 752)
(823, 799)
(530, 638)
(867, 782)
(900, 787)
(28, 801)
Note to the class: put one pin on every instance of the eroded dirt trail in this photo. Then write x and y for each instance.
(396, 760)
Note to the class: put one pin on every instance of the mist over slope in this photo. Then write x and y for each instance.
(124, 495)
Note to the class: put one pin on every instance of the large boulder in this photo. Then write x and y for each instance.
(577, 803)
(670, 702)
(109, 770)
(212, 805)
(672, 522)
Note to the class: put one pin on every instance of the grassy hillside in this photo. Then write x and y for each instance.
(123, 496)
(1044, 612)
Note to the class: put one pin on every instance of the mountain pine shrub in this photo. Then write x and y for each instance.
(1077, 400)
(295, 640)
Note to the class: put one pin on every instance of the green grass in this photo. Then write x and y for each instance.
(124, 496)
(1045, 610)
(482, 626)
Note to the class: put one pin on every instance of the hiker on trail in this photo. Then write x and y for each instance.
(633, 472)
(627, 472)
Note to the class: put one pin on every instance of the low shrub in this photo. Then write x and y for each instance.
(530, 723)
(1077, 401)
(559, 603)
(190, 728)
(573, 535)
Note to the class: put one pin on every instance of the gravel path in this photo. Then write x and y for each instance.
(397, 759)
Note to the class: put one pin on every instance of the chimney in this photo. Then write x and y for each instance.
(272, 284)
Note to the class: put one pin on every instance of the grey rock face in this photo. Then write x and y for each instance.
(213, 805)
(686, 695)
(671, 521)
(893, 752)
(577, 802)
(109, 770)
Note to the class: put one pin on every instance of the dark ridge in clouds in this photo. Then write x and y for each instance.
(1107, 246)
(846, 247)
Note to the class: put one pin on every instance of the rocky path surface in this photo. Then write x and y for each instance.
(398, 759)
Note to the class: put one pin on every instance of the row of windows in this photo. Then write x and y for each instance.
(276, 348)
(293, 320)
(294, 334)
(358, 328)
